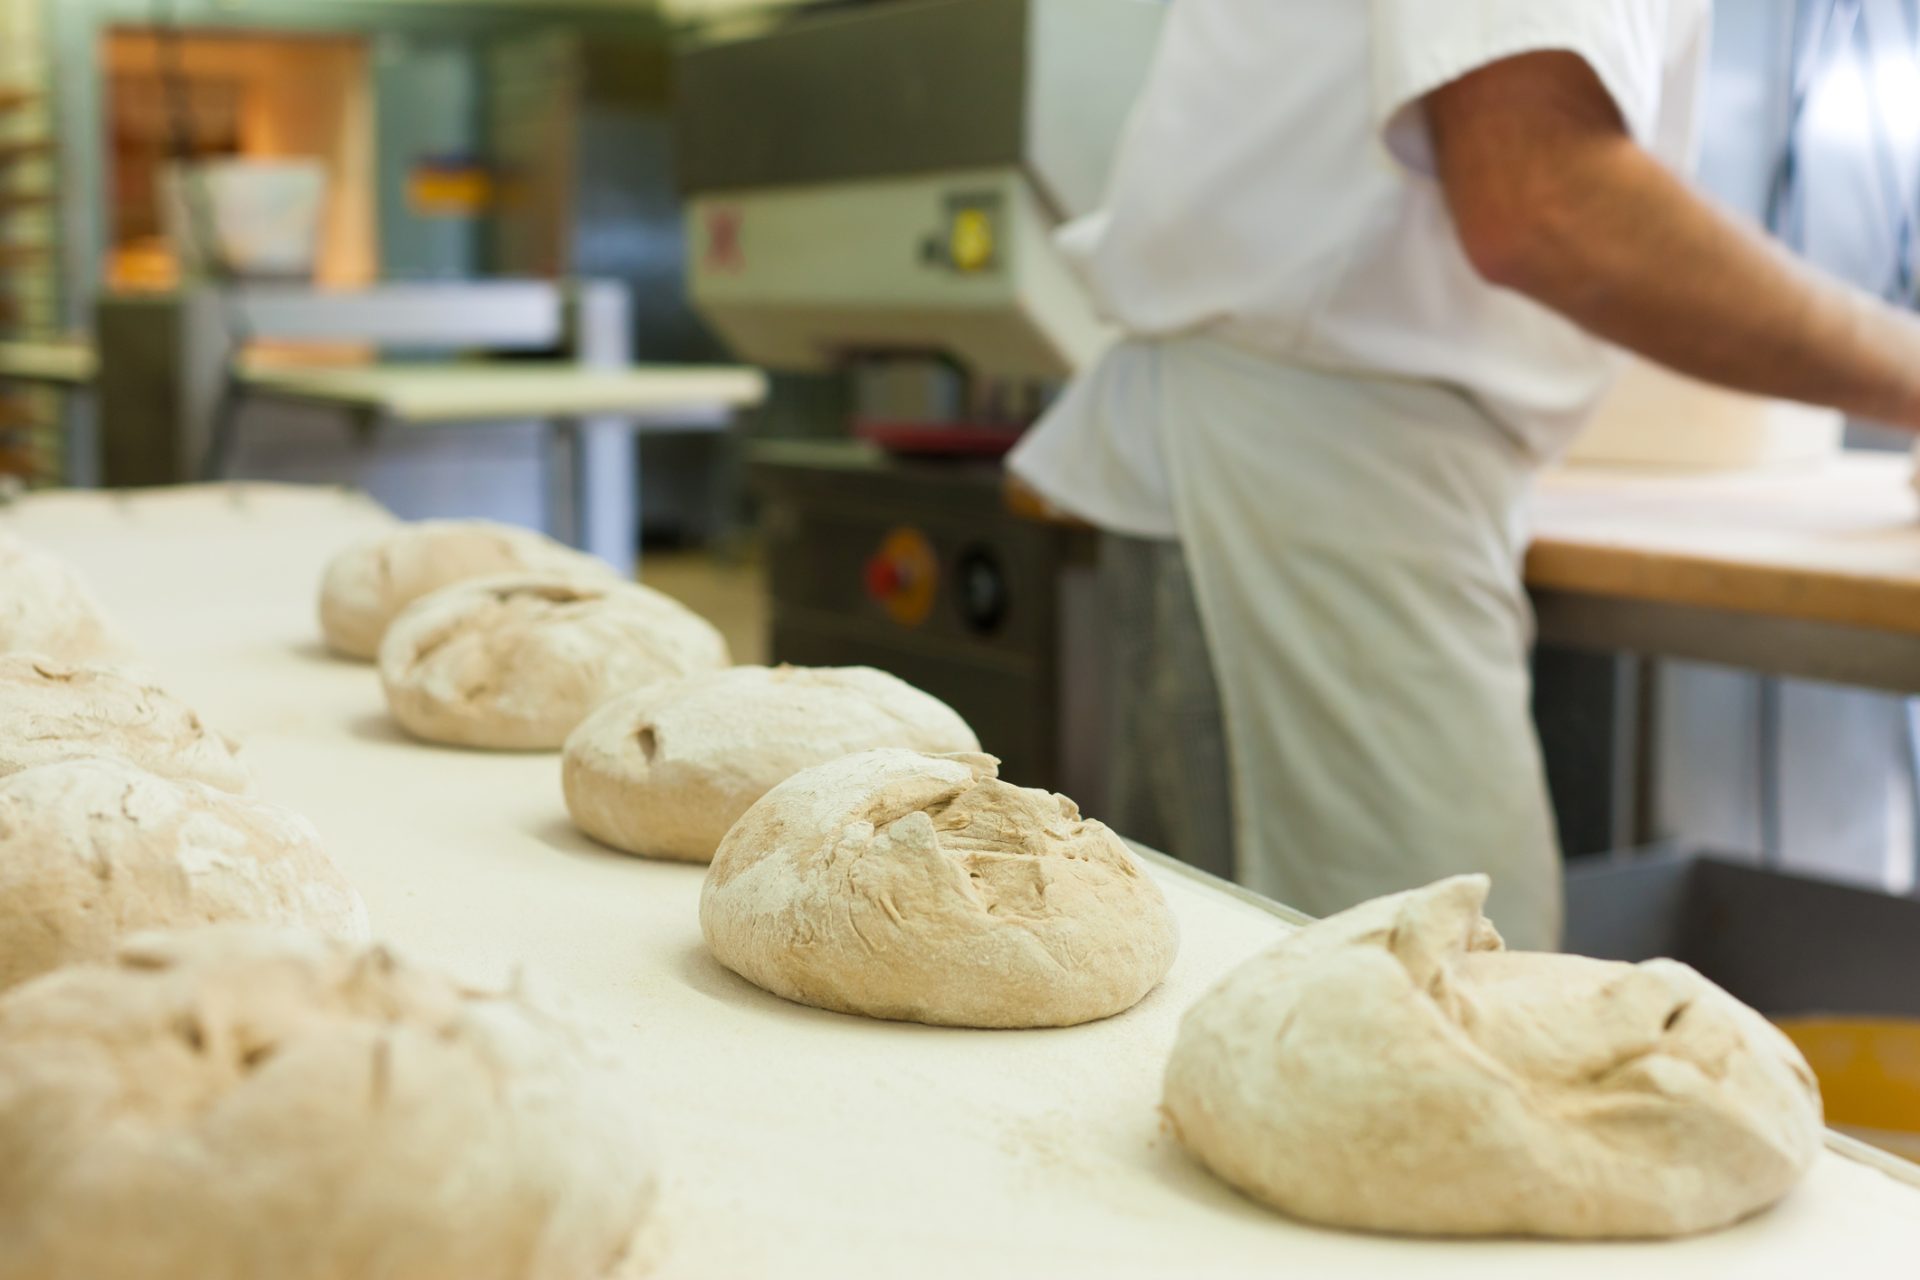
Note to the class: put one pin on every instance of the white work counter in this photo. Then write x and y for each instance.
(593, 414)
(689, 396)
(795, 1142)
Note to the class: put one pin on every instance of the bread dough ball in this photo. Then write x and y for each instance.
(367, 585)
(46, 608)
(51, 711)
(922, 888)
(666, 770)
(516, 663)
(1392, 1068)
(234, 1103)
(94, 850)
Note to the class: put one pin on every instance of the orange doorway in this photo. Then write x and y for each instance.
(238, 97)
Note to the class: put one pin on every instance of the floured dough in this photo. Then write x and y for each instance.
(367, 585)
(922, 888)
(666, 770)
(1392, 1068)
(236, 1103)
(94, 850)
(517, 663)
(46, 608)
(52, 711)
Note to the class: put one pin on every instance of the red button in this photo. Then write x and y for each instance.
(885, 579)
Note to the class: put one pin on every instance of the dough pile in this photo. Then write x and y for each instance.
(1392, 1068)
(516, 663)
(94, 850)
(46, 608)
(50, 711)
(367, 585)
(237, 1103)
(922, 888)
(666, 770)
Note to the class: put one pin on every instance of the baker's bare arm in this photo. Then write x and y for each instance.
(1552, 198)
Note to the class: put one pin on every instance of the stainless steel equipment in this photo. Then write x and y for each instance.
(875, 191)
(887, 180)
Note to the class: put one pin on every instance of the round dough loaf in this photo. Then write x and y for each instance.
(666, 770)
(1392, 1068)
(94, 850)
(46, 608)
(234, 1103)
(516, 663)
(922, 888)
(50, 711)
(367, 585)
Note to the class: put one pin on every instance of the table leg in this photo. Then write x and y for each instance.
(1912, 724)
(561, 480)
(1767, 744)
(596, 463)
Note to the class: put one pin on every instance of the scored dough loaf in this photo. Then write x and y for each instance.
(516, 663)
(234, 1103)
(922, 888)
(46, 608)
(666, 770)
(1393, 1069)
(51, 711)
(94, 850)
(367, 585)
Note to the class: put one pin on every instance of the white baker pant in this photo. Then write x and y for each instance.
(1355, 545)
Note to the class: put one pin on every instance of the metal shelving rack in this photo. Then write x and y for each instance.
(22, 416)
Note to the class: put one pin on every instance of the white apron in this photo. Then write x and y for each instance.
(1355, 543)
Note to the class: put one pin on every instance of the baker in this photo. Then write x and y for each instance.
(1369, 259)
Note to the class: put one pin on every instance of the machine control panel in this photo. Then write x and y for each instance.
(903, 576)
(921, 569)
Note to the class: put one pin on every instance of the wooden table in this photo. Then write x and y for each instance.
(1810, 572)
(1803, 571)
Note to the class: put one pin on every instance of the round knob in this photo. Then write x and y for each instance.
(902, 576)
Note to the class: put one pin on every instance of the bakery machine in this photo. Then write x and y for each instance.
(873, 194)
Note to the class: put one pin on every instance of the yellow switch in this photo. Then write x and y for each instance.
(972, 240)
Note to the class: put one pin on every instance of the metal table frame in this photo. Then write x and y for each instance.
(1766, 643)
(161, 361)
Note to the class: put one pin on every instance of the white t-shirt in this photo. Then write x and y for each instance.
(1275, 190)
